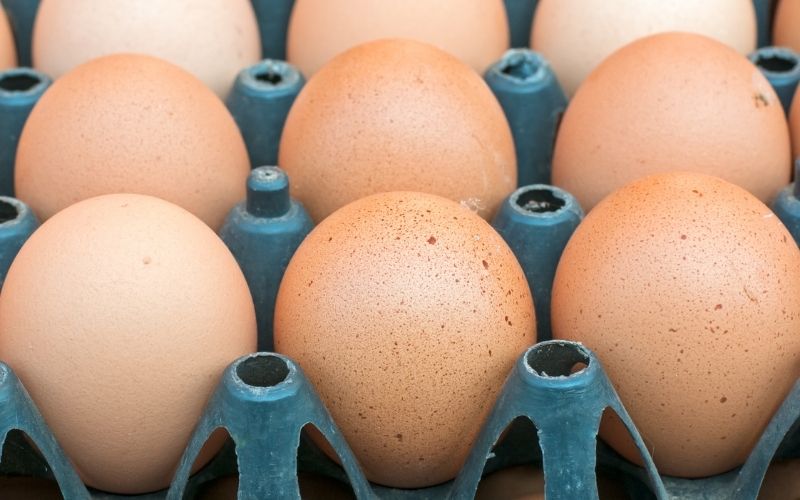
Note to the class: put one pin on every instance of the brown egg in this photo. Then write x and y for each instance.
(25, 488)
(688, 290)
(475, 31)
(119, 315)
(782, 481)
(312, 487)
(576, 35)
(212, 39)
(786, 27)
(397, 115)
(526, 482)
(8, 48)
(406, 311)
(673, 101)
(131, 124)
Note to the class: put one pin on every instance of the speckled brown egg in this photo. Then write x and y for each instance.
(786, 27)
(475, 31)
(576, 35)
(397, 115)
(119, 315)
(212, 39)
(406, 311)
(131, 124)
(688, 289)
(673, 101)
(8, 48)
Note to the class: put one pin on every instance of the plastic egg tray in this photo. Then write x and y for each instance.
(555, 395)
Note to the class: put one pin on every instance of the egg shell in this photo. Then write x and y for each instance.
(406, 311)
(8, 48)
(576, 35)
(526, 482)
(782, 478)
(119, 315)
(786, 26)
(397, 115)
(672, 101)
(312, 487)
(794, 124)
(475, 31)
(688, 290)
(212, 39)
(131, 123)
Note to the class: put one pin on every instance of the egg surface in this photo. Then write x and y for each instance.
(212, 39)
(8, 48)
(672, 101)
(131, 124)
(397, 115)
(688, 289)
(406, 311)
(475, 31)
(786, 27)
(119, 315)
(576, 35)
(794, 124)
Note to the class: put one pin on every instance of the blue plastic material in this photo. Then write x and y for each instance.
(17, 412)
(764, 10)
(533, 101)
(781, 66)
(537, 221)
(787, 205)
(264, 401)
(21, 14)
(566, 408)
(259, 102)
(263, 233)
(273, 21)
(20, 90)
(520, 20)
(17, 223)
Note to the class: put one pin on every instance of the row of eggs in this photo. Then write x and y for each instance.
(458, 128)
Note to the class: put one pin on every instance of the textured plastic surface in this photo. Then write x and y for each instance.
(263, 233)
(17, 223)
(520, 20)
(537, 221)
(17, 412)
(787, 205)
(781, 67)
(273, 20)
(533, 101)
(764, 11)
(264, 401)
(259, 102)
(20, 90)
(21, 14)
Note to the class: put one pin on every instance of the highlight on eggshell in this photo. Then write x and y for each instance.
(474, 31)
(687, 288)
(406, 311)
(397, 115)
(212, 39)
(131, 123)
(119, 315)
(576, 35)
(672, 101)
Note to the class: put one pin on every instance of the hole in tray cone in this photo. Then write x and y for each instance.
(264, 419)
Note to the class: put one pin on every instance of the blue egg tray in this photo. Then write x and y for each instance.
(548, 412)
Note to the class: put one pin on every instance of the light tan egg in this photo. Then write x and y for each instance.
(212, 39)
(119, 315)
(576, 35)
(786, 26)
(131, 123)
(673, 101)
(475, 31)
(688, 289)
(397, 115)
(407, 312)
(8, 48)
